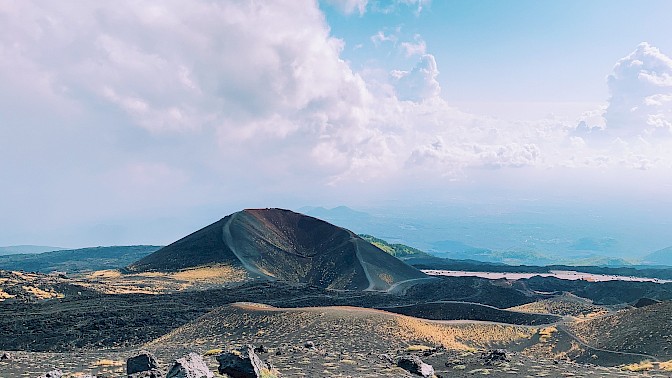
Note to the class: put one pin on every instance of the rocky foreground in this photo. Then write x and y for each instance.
(309, 358)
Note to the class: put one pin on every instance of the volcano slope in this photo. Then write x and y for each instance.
(278, 244)
(643, 330)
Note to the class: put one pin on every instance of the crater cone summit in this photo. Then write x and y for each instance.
(279, 244)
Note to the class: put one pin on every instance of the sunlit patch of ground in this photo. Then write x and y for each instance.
(42, 294)
(566, 304)
(116, 282)
(465, 336)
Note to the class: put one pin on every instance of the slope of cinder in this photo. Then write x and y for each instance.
(646, 330)
(284, 245)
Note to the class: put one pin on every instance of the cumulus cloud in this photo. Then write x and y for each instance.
(200, 99)
(420, 83)
(641, 93)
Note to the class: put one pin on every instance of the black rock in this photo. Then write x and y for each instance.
(142, 362)
(414, 365)
(309, 344)
(261, 349)
(190, 366)
(495, 357)
(244, 364)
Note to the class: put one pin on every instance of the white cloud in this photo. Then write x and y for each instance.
(419, 47)
(390, 6)
(238, 99)
(641, 93)
(420, 83)
(381, 37)
(350, 6)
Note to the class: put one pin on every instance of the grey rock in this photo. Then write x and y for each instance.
(244, 364)
(190, 366)
(309, 344)
(414, 365)
(6, 356)
(52, 374)
(143, 365)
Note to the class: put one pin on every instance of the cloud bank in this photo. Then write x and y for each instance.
(112, 108)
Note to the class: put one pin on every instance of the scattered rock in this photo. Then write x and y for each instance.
(244, 364)
(309, 344)
(190, 366)
(414, 365)
(495, 357)
(5, 356)
(145, 363)
(52, 374)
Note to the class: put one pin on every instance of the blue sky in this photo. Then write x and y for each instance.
(137, 122)
(491, 52)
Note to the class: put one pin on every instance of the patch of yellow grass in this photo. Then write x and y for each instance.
(546, 333)
(213, 352)
(206, 273)
(386, 278)
(4, 295)
(107, 363)
(19, 274)
(417, 348)
(41, 294)
(537, 307)
(666, 366)
(457, 336)
(109, 273)
(642, 366)
(266, 373)
(151, 274)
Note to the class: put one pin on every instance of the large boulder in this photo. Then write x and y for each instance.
(414, 365)
(143, 364)
(5, 356)
(190, 366)
(244, 364)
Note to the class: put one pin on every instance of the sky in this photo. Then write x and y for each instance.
(127, 122)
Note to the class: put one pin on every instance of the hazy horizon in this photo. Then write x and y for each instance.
(140, 122)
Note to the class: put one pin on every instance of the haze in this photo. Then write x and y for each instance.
(138, 122)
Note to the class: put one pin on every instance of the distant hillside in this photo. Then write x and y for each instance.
(662, 257)
(77, 260)
(18, 249)
(279, 244)
(400, 251)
